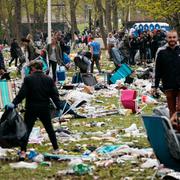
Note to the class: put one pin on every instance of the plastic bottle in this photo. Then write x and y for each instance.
(39, 158)
(45, 163)
(81, 169)
(32, 154)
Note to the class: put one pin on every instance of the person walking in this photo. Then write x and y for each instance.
(54, 56)
(95, 50)
(37, 89)
(111, 41)
(14, 52)
(167, 70)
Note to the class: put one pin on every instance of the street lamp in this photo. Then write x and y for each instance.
(49, 20)
(49, 17)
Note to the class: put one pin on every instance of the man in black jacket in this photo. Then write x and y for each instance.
(14, 52)
(168, 70)
(37, 88)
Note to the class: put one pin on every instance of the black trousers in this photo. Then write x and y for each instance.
(54, 66)
(16, 60)
(132, 55)
(44, 115)
(96, 60)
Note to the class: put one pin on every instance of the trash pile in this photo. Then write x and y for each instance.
(101, 140)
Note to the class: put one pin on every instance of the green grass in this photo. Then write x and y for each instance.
(115, 171)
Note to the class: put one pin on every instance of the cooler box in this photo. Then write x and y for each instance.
(61, 73)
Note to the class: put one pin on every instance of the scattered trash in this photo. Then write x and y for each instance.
(32, 154)
(112, 149)
(150, 163)
(21, 164)
(172, 175)
(39, 158)
(3, 152)
(35, 136)
(46, 163)
(81, 169)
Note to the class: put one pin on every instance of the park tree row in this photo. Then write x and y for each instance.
(104, 13)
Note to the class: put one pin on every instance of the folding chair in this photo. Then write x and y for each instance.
(6, 95)
(129, 99)
(121, 73)
(67, 108)
(156, 129)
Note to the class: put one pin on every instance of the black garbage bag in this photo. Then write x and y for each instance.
(12, 129)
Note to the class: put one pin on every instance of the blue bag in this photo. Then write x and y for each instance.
(66, 58)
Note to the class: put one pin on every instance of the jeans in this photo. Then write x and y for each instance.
(173, 100)
(148, 54)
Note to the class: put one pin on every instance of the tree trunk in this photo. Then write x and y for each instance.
(126, 17)
(28, 16)
(115, 15)
(40, 19)
(35, 15)
(73, 5)
(101, 23)
(18, 19)
(108, 15)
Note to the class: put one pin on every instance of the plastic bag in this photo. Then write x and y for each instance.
(12, 129)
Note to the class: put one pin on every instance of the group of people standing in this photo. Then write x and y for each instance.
(144, 43)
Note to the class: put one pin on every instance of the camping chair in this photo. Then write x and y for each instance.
(67, 108)
(6, 95)
(157, 128)
(121, 73)
(129, 99)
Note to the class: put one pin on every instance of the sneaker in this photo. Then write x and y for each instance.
(22, 156)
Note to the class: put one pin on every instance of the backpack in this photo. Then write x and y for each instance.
(79, 62)
(12, 129)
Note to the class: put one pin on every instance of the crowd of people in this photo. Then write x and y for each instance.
(37, 88)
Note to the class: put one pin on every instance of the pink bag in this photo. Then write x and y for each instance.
(128, 99)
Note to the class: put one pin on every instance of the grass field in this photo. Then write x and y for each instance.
(115, 171)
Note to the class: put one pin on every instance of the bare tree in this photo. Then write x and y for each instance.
(108, 15)
(115, 14)
(101, 22)
(73, 4)
(28, 16)
(18, 19)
